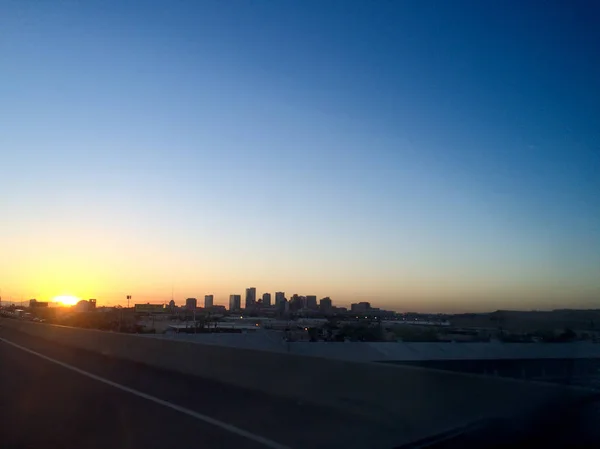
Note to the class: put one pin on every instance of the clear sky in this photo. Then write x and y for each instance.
(422, 155)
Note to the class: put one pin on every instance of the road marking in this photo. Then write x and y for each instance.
(215, 422)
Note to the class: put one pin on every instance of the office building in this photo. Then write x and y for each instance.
(311, 302)
(34, 303)
(250, 297)
(235, 302)
(191, 303)
(360, 307)
(366, 306)
(148, 308)
(266, 299)
(296, 302)
(325, 305)
(208, 301)
(279, 298)
(82, 306)
(282, 306)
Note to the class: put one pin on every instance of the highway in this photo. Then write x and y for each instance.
(58, 396)
(70, 398)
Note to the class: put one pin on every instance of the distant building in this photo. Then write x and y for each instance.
(235, 302)
(208, 301)
(34, 303)
(82, 306)
(191, 303)
(266, 299)
(360, 307)
(92, 304)
(296, 302)
(282, 306)
(148, 308)
(326, 305)
(172, 306)
(279, 297)
(311, 302)
(250, 297)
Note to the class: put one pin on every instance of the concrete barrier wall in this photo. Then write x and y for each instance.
(392, 351)
(417, 402)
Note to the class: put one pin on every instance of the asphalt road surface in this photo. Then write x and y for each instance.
(129, 405)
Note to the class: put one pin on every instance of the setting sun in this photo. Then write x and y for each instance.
(66, 300)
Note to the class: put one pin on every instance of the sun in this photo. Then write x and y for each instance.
(66, 300)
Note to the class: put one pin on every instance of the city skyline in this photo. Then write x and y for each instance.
(225, 300)
(341, 148)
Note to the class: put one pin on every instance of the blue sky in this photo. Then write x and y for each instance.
(425, 155)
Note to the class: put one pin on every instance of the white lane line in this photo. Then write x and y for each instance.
(215, 422)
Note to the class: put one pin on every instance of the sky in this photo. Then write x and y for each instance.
(421, 155)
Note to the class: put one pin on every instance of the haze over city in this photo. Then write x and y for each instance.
(403, 155)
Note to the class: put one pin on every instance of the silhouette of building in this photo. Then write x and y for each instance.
(149, 308)
(279, 297)
(360, 307)
(208, 301)
(282, 306)
(296, 302)
(92, 304)
(250, 297)
(82, 306)
(172, 306)
(191, 303)
(311, 302)
(326, 305)
(34, 303)
(235, 302)
(266, 299)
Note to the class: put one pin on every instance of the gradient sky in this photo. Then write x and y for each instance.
(422, 155)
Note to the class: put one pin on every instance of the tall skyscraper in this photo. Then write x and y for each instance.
(279, 298)
(191, 303)
(235, 302)
(282, 306)
(266, 299)
(311, 302)
(325, 305)
(208, 301)
(296, 302)
(250, 297)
